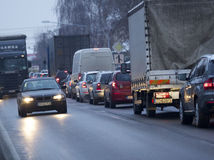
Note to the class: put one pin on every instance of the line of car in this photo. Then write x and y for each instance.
(110, 87)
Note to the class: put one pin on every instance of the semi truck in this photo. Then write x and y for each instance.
(13, 63)
(61, 51)
(167, 37)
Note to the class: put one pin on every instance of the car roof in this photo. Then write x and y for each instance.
(91, 72)
(209, 56)
(36, 79)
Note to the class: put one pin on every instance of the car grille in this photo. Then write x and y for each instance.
(44, 98)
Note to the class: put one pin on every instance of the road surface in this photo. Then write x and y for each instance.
(91, 132)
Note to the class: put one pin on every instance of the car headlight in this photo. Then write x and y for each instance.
(58, 97)
(28, 99)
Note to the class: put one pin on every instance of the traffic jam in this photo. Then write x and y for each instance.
(134, 100)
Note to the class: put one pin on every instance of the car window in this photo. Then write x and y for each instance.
(211, 67)
(201, 67)
(105, 77)
(40, 84)
(192, 73)
(123, 77)
(91, 77)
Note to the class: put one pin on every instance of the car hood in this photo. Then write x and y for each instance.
(38, 93)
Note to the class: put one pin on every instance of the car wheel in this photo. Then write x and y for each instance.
(22, 113)
(185, 119)
(95, 102)
(150, 113)
(106, 104)
(90, 99)
(63, 109)
(136, 108)
(112, 104)
(80, 98)
(201, 119)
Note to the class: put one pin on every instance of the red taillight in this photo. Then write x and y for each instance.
(84, 85)
(57, 80)
(66, 71)
(162, 95)
(209, 84)
(98, 86)
(114, 85)
(79, 76)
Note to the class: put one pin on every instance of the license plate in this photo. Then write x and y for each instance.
(40, 104)
(162, 101)
(12, 91)
(129, 97)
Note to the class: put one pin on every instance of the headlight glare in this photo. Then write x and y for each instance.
(28, 99)
(58, 97)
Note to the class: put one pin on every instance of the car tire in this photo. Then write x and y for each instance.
(63, 109)
(80, 98)
(137, 109)
(112, 104)
(22, 113)
(184, 119)
(201, 119)
(95, 102)
(90, 99)
(106, 104)
(150, 113)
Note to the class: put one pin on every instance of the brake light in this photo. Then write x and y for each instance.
(66, 71)
(70, 83)
(114, 85)
(209, 84)
(79, 76)
(57, 80)
(98, 86)
(42, 75)
(84, 85)
(162, 95)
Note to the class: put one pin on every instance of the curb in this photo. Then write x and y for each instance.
(6, 145)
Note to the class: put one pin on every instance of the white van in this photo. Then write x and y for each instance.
(92, 59)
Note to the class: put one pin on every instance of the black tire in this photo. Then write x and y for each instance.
(201, 119)
(112, 104)
(90, 99)
(184, 119)
(95, 102)
(63, 109)
(150, 113)
(22, 113)
(80, 99)
(137, 109)
(106, 104)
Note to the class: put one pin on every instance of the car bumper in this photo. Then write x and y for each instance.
(122, 97)
(99, 95)
(33, 107)
(206, 102)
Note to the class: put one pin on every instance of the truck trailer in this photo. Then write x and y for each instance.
(167, 37)
(61, 51)
(13, 63)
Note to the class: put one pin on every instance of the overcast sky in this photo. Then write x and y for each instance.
(25, 16)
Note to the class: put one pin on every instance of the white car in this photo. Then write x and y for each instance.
(83, 85)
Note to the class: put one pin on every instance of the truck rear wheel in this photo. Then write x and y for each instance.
(150, 113)
(136, 107)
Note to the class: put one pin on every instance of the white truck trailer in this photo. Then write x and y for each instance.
(166, 39)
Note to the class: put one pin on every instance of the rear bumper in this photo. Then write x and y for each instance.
(206, 102)
(122, 97)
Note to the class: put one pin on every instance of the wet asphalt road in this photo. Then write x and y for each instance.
(90, 132)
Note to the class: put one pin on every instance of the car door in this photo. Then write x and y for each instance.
(107, 88)
(197, 82)
(187, 88)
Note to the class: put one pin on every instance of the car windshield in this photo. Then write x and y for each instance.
(10, 64)
(91, 77)
(123, 77)
(105, 77)
(40, 85)
(211, 68)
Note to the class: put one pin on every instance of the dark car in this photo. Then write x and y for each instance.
(118, 90)
(197, 95)
(96, 89)
(40, 94)
(61, 76)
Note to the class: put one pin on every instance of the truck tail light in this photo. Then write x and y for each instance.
(209, 84)
(57, 80)
(162, 95)
(84, 85)
(98, 86)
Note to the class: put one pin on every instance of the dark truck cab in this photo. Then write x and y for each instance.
(13, 63)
